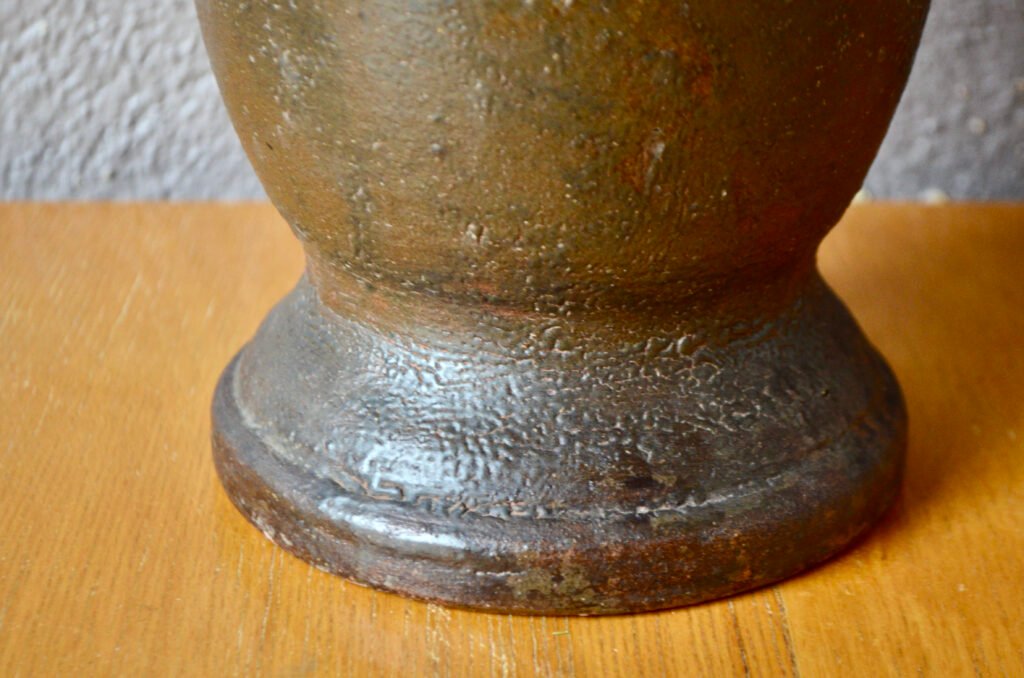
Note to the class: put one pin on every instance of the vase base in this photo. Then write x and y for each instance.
(651, 493)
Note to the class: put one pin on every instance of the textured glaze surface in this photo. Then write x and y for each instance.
(561, 346)
(515, 477)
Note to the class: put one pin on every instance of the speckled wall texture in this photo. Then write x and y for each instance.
(114, 99)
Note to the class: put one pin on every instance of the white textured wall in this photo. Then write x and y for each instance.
(959, 130)
(114, 99)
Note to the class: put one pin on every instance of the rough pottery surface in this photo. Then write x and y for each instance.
(561, 346)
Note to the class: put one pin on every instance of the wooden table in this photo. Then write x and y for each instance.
(120, 555)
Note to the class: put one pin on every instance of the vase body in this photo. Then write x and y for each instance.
(561, 346)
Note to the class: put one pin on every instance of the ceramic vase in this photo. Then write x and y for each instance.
(561, 346)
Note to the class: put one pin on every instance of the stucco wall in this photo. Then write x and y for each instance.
(114, 99)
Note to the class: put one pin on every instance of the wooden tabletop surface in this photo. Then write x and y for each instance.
(120, 555)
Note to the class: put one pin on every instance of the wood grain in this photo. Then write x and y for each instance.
(119, 554)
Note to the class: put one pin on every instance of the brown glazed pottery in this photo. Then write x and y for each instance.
(561, 346)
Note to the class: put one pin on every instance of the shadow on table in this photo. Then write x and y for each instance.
(942, 297)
